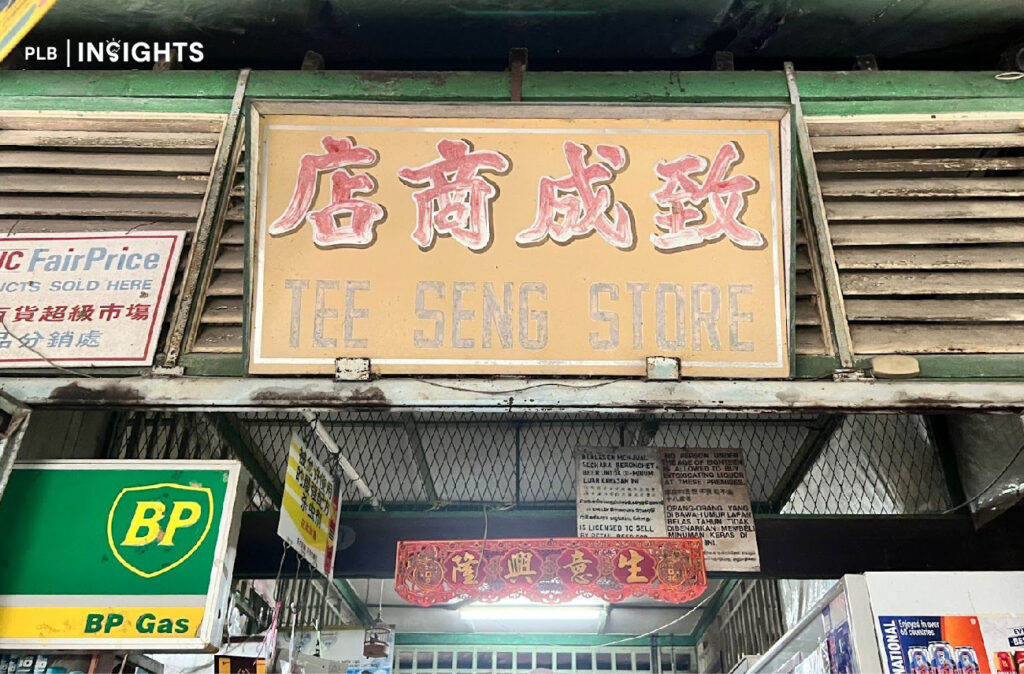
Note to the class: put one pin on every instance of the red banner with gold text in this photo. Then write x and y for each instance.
(551, 570)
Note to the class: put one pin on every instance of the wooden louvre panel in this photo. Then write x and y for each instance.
(926, 215)
(219, 329)
(811, 337)
(106, 172)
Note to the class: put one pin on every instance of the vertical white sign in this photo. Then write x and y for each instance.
(618, 493)
(706, 496)
(309, 508)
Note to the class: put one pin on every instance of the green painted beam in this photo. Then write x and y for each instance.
(522, 639)
(380, 85)
(712, 609)
(118, 103)
(810, 449)
(352, 600)
(956, 366)
(236, 434)
(659, 86)
(132, 83)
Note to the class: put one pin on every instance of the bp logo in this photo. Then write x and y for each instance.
(154, 528)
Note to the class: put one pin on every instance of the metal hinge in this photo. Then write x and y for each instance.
(663, 368)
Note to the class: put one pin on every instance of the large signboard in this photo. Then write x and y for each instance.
(118, 554)
(82, 300)
(309, 508)
(524, 240)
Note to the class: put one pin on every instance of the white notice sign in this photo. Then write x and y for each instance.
(618, 493)
(309, 508)
(84, 300)
(706, 496)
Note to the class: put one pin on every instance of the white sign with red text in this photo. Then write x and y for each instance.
(84, 300)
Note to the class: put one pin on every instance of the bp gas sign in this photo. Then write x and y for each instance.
(117, 554)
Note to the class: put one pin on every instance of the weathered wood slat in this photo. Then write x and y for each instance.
(139, 139)
(150, 207)
(803, 260)
(231, 257)
(805, 284)
(946, 257)
(910, 142)
(889, 125)
(946, 310)
(101, 184)
(923, 187)
(925, 165)
(932, 209)
(218, 339)
(34, 226)
(807, 312)
(871, 338)
(931, 283)
(225, 283)
(107, 161)
(894, 234)
(120, 123)
(222, 310)
(809, 341)
(234, 235)
(235, 212)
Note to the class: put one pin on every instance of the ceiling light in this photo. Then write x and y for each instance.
(531, 612)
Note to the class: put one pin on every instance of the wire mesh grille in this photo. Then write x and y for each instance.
(867, 464)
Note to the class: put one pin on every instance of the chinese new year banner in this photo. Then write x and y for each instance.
(552, 570)
(520, 240)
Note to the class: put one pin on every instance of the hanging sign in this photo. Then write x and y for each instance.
(125, 555)
(553, 240)
(706, 495)
(309, 508)
(83, 300)
(618, 493)
(690, 493)
(551, 570)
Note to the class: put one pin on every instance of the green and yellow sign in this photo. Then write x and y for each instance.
(117, 554)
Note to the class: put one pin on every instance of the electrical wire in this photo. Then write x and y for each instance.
(658, 629)
(990, 484)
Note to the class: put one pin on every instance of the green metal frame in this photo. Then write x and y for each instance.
(524, 639)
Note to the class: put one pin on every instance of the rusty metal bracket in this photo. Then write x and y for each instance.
(352, 369)
(220, 177)
(517, 61)
(663, 368)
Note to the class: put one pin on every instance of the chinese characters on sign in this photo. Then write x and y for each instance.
(618, 493)
(309, 508)
(706, 495)
(555, 242)
(550, 570)
(689, 493)
(84, 300)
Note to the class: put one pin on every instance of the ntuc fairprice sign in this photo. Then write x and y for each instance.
(117, 554)
(83, 300)
(520, 240)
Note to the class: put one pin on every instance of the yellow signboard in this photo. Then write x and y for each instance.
(520, 240)
(17, 18)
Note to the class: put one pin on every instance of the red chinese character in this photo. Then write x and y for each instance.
(110, 311)
(362, 215)
(456, 199)
(54, 314)
(582, 202)
(138, 312)
(82, 312)
(681, 196)
(25, 313)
